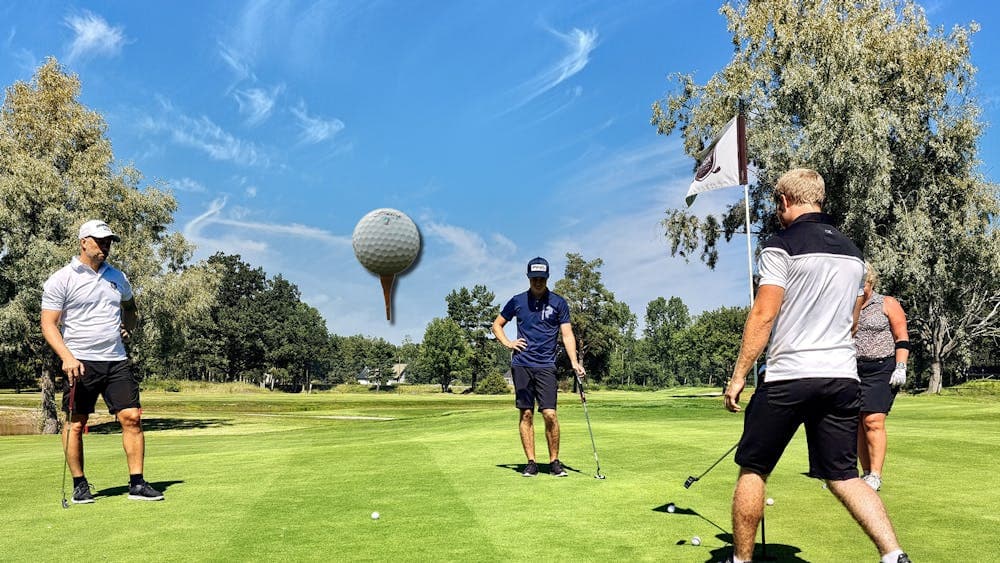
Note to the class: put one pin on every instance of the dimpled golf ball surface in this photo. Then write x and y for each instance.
(386, 241)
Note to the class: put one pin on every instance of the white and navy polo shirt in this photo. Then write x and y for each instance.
(90, 303)
(822, 273)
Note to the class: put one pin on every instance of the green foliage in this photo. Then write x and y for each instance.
(880, 104)
(599, 321)
(444, 355)
(493, 384)
(474, 312)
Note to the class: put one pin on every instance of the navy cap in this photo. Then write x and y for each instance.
(538, 267)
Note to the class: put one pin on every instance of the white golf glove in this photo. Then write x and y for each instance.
(898, 375)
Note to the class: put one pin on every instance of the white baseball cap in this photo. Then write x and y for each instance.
(97, 229)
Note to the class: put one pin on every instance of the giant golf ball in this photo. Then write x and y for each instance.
(386, 241)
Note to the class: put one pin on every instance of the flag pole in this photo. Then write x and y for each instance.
(741, 149)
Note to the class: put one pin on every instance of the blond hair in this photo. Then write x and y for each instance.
(801, 186)
(871, 274)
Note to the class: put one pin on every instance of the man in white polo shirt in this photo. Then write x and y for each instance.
(810, 295)
(93, 302)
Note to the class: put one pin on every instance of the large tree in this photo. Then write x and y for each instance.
(444, 353)
(57, 170)
(865, 92)
(600, 323)
(474, 311)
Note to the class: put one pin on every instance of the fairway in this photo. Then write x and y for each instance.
(296, 477)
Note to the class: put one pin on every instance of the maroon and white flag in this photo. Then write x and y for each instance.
(723, 163)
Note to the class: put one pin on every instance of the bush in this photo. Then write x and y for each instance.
(493, 384)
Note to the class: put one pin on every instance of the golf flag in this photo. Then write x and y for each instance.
(724, 163)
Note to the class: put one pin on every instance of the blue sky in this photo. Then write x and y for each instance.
(506, 130)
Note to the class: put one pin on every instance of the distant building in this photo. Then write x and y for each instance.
(398, 376)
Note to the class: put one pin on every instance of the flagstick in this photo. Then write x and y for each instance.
(746, 209)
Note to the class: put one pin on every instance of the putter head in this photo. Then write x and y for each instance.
(690, 481)
(65, 503)
(599, 476)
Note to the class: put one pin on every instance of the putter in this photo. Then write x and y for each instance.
(69, 419)
(691, 479)
(583, 399)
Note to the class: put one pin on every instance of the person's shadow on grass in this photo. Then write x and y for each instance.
(161, 486)
(157, 424)
(542, 467)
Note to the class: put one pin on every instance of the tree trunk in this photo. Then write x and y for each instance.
(934, 386)
(50, 416)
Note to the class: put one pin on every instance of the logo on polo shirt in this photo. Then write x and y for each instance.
(547, 312)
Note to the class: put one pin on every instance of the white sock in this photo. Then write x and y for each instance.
(738, 560)
(892, 556)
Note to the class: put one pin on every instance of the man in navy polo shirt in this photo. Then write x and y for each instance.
(807, 306)
(541, 317)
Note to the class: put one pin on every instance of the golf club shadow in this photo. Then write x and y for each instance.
(158, 424)
(542, 467)
(692, 512)
(161, 486)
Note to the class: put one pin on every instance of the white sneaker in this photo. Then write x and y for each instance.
(873, 480)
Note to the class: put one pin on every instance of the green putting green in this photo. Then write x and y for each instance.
(272, 476)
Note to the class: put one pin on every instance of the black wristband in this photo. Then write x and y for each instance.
(903, 344)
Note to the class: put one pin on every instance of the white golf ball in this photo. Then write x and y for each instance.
(696, 541)
(671, 508)
(386, 241)
(770, 501)
(375, 515)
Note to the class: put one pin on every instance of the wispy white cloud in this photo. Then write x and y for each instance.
(256, 104)
(579, 44)
(236, 62)
(214, 230)
(203, 134)
(187, 185)
(93, 36)
(315, 129)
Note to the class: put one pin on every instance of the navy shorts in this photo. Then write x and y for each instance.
(115, 381)
(876, 393)
(828, 407)
(533, 384)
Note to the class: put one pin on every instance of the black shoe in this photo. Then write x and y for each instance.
(903, 558)
(143, 491)
(530, 470)
(82, 494)
(556, 469)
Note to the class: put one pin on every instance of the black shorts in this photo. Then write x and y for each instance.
(534, 384)
(876, 393)
(829, 409)
(114, 381)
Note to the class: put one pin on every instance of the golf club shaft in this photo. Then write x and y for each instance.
(711, 467)
(593, 445)
(66, 432)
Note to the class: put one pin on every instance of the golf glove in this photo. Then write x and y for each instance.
(898, 375)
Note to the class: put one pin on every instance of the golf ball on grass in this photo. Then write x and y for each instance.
(375, 515)
(770, 501)
(696, 541)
